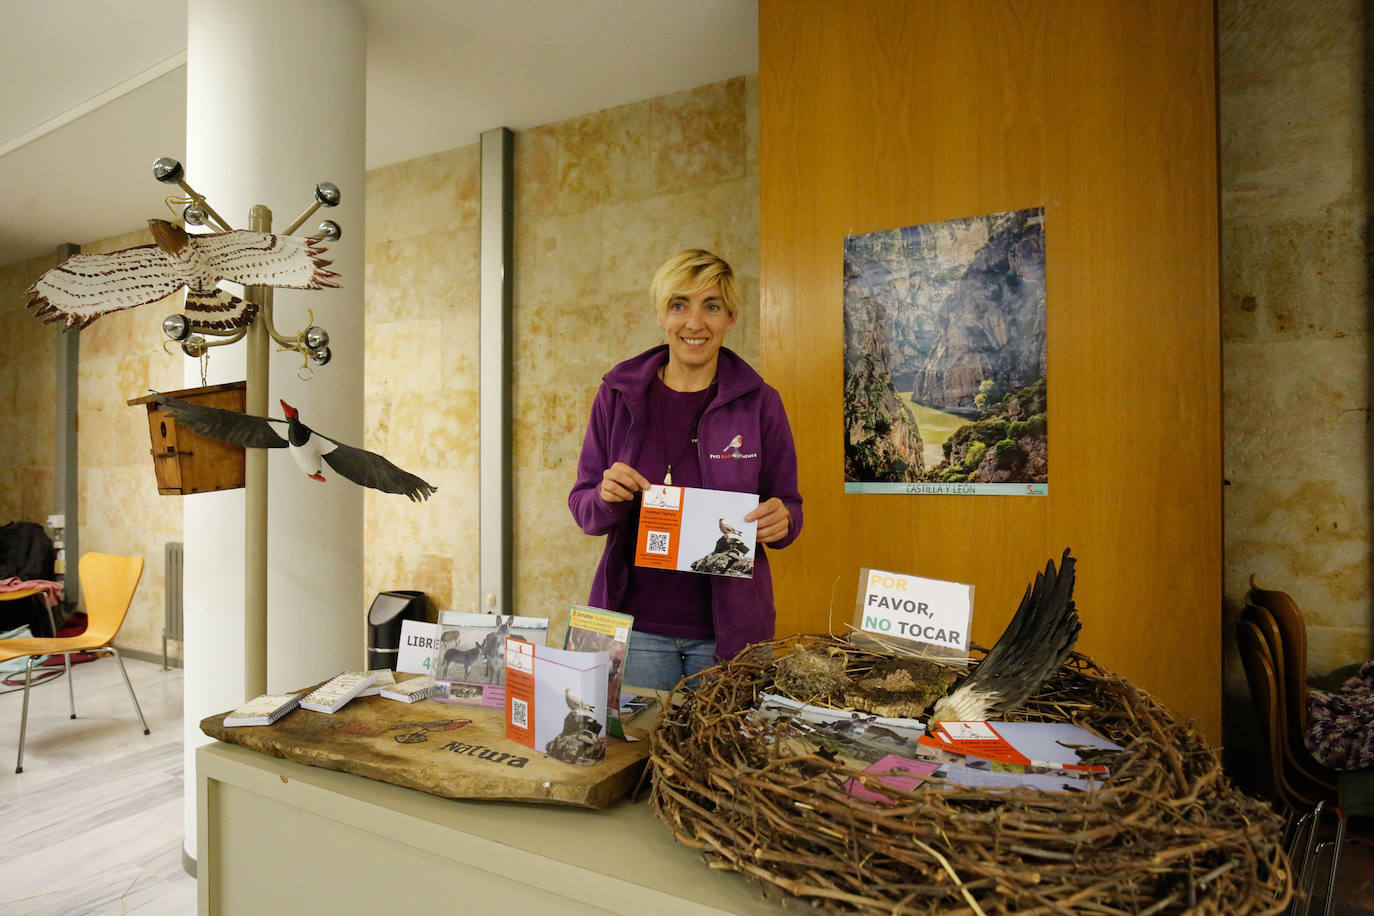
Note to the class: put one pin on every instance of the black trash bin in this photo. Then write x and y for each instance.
(389, 610)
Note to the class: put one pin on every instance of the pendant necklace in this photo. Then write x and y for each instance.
(696, 429)
(682, 452)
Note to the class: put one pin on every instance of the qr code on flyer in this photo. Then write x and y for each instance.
(657, 543)
(519, 713)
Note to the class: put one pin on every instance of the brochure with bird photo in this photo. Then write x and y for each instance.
(593, 629)
(1049, 747)
(854, 737)
(695, 530)
(556, 701)
(468, 665)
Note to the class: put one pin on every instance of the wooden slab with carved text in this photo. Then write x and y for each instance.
(445, 750)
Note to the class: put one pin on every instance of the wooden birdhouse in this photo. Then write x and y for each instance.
(185, 461)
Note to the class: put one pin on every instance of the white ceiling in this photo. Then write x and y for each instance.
(96, 89)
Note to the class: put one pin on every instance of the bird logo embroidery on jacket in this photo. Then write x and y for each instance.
(733, 450)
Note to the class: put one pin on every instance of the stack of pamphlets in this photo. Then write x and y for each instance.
(263, 710)
(335, 693)
(1051, 756)
(409, 691)
(632, 704)
(857, 739)
(1042, 755)
(1035, 745)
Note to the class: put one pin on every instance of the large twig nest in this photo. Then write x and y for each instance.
(1167, 833)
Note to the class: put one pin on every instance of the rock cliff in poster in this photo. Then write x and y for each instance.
(945, 356)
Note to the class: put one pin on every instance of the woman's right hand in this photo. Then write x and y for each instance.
(620, 483)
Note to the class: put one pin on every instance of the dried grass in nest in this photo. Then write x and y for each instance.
(811, 675)
(1166, 834)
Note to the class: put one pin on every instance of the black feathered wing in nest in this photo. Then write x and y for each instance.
(309, 448)
(1040, 636)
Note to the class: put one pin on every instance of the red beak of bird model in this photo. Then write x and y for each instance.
(310, 449)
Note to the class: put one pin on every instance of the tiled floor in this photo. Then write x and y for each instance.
(94, 823)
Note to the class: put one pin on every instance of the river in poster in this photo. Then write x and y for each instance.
(944, 358)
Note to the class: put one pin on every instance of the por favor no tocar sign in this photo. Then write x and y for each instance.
(929, 611)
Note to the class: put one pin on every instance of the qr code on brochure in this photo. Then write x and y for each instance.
(519, 713)
(657, 543)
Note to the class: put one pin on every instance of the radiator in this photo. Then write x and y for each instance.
(171, 627)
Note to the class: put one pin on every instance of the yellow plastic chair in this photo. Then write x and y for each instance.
(108, 584)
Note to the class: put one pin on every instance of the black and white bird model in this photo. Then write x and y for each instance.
(1040, 636)
(310, 449)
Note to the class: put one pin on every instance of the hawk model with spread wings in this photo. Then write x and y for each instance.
(310, 449)
(86, 286)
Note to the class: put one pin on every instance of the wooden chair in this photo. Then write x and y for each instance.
(1292, 631)
(1306, 798)
(1292, 724)
(107, 583)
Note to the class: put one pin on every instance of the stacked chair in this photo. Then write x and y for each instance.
(1272, 638)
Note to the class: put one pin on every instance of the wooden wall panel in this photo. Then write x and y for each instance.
(876, 114)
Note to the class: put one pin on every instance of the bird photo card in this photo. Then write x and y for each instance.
(556, 701)
(697, 530)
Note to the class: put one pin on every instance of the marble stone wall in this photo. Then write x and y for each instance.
(1294, 315)
(121, 357)
(28, 390)
(601, 200)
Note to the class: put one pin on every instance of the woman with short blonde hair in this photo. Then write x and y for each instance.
(691, 271)
(691, 413)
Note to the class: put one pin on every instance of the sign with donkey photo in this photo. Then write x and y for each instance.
(469, 655)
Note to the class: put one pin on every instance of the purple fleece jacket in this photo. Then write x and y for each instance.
(765, 463)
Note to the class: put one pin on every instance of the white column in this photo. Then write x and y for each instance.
(275, 104)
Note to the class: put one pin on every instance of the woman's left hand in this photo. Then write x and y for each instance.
(774, 519)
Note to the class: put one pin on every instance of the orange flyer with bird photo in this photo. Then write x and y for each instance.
(691, 529)
(556, 701)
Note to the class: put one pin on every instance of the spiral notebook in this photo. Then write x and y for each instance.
(335, 693)
(263, 710)
(409, 691)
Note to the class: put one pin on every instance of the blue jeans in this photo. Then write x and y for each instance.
(661, 661)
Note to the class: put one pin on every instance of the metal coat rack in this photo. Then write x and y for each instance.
(312, 343)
